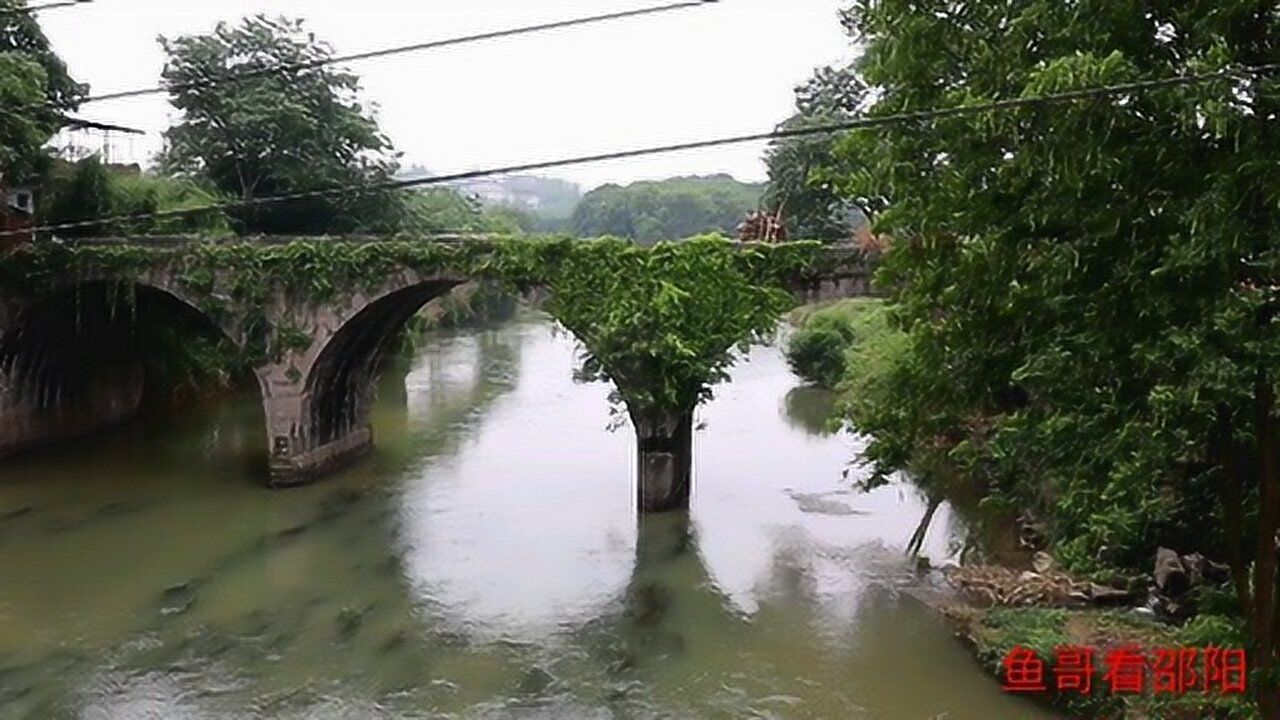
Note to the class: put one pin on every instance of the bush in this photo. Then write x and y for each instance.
(816, 351)
(849, 345)
(90, 190)
(817, 354)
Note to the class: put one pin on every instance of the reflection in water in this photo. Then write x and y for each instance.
(808, 408)
(484, 562)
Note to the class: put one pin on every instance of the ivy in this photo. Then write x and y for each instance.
(661, 323)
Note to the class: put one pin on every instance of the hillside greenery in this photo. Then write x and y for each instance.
(666, 210)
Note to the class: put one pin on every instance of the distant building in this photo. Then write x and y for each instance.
(498, 192)
(79, 139)
(17, 215)
(551, 197)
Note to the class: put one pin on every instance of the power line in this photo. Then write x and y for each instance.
(384, 52)
(28, 9)
(826, 128)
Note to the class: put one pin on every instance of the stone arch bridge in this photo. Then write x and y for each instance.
(71, 363)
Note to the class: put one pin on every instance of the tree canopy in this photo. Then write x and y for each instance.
(807, 197)
(666, 210)
(1088, 288)
(35, 88)
(283, 131)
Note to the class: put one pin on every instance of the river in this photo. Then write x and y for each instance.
(484, 562)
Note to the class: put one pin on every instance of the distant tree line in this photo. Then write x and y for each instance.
(669, 209)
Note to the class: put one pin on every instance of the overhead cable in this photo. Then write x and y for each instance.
(781, 134)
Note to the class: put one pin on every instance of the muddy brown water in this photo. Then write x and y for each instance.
(485, 562)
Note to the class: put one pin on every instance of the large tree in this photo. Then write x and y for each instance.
(35, 89)
(293, 124)
(798, 185)
(1090, 288)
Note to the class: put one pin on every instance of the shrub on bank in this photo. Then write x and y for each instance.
(816, 352)
(820, 349)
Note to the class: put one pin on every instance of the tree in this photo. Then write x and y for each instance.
(816, 351)
(22, 134)
(1089, 288)
(667, 210)
(35, 88)
(510, 220)
(443, 210)
(664, 325)
(295, 125)
(798, 185)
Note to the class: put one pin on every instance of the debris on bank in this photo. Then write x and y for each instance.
(1046, 585)
(1179, 604)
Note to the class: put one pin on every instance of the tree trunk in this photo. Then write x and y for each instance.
(664, 444)
(922, 530)
(1264, 565)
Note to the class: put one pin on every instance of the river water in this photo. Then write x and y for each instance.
(484, 562)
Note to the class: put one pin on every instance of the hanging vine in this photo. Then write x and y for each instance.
(667, 314)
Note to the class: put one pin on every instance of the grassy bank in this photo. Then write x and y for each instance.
(843, 345)
(994, 632)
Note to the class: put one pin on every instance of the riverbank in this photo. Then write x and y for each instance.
(1006, 597)
(1038, 618)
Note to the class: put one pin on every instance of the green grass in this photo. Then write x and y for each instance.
(996, 631)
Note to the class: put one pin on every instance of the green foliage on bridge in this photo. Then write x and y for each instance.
(659, 322)
(662, 323)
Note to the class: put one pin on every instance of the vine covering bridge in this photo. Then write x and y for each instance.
(314, 318)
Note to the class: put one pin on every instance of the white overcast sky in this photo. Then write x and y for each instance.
(721, 69)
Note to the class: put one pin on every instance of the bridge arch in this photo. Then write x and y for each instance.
(74, 359)
(318, 411)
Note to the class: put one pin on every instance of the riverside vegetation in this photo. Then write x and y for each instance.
(858, 349)
(1083, 295)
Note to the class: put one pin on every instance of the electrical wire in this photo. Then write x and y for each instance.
(826, 128)
(384, 52)
(28, 9)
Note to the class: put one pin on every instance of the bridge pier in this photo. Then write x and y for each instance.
(297, 455)
(292, 465)
(664, 475)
